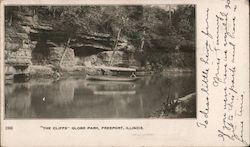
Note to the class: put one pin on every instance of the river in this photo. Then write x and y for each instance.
(78, 98)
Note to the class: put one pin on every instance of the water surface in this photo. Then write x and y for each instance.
(78, 98)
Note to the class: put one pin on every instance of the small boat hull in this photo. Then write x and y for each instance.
(110, 78)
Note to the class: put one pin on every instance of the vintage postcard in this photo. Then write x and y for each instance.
(124, 73)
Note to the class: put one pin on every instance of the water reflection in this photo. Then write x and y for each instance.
(78, 98)
(111, 88)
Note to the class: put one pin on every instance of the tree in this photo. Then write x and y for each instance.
(184, 22)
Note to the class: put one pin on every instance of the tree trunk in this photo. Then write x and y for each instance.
(170, 15)
(115, 46)
(142, 40)
(69, 39)
(10, 21)
(54, 13)
(65, 50)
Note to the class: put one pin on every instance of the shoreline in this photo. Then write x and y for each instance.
(47, 72)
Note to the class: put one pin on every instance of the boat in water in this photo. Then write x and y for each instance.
(108, 72)
(114, 68)
(122, 74)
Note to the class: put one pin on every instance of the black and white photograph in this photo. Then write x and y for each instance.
(124, 73)
(100, 61)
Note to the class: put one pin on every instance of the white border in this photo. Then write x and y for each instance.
(160, 132)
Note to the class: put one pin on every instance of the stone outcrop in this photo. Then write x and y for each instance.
(61, 56)
(36, 70)
(18, 45)
(117, 58)
(93, 41)
(86, 49)
(99, 41)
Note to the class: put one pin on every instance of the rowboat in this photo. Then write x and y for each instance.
(110, 78)
(113, 68)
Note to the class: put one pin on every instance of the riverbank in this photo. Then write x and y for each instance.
(177, 70)
(48, 71)
(177, 108)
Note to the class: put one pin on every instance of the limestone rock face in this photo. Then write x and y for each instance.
(18, 44)
(93, 41)
(118, 58)
(56, 55)
(18, 47)
(68, 60)
(101, 42)
(12, 46)
(24, 39)
(45, 70)
(20, 57)
(60, 56)
(90, 61)
(104, 58)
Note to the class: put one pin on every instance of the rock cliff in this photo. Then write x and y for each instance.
(30, 41)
